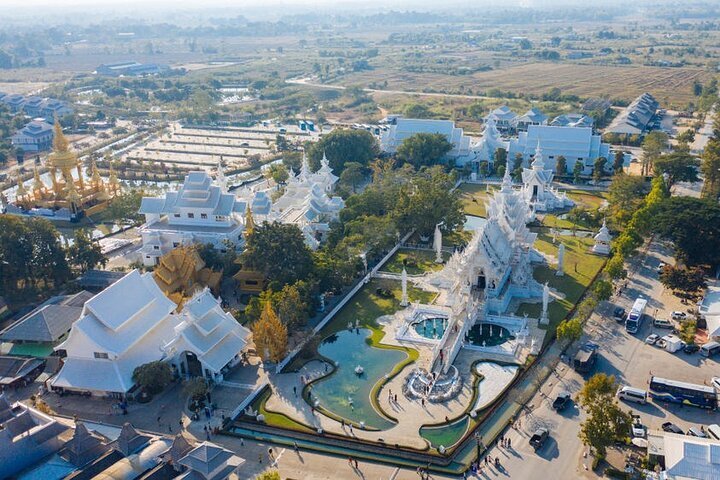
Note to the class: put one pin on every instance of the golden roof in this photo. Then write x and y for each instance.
(62, 157)
(21, 192)
(182, 271)
(249, 221)
(38, 183)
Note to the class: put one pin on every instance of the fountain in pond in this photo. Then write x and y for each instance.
(359, 371)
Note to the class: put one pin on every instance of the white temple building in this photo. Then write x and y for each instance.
(537, 187)
(307, 202)
(576, 144)
(485, 149)
(602, 241)
(496, 267)
(201, 211)
(132, 323)
(405, 128)
(503, 117)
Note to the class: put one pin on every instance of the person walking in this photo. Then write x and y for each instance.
(295, 391)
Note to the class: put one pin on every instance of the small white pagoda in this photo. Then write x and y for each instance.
(602, 241)
(537, 186)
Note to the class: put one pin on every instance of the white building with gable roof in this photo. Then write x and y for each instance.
(201, 211)
(132, 323)
(576, 144)
(405, 128)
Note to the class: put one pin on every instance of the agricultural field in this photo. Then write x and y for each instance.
(671, 86)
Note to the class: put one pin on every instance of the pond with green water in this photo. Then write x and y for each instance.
(344, 392)
(446, 435)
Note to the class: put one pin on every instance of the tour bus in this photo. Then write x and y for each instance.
(635, 317)
(664, 390)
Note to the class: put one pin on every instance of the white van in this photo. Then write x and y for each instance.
(631, 394)
(662, 323)
(710, 349)
(713, 431)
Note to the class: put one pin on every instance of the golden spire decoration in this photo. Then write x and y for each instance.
(21, 192)
(60, 143)
(95, 174)
(249, 222)
(113, 181)
(38, 184)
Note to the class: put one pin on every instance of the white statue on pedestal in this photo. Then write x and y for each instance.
(404, 302)
(437, 244)
(544, 320)
(561, 259)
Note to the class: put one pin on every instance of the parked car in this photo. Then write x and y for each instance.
(696, 432)
(661, 343)
(561, 401)
(619, 314)
(539, 437)
(691, 348)
(678, 315)
(672, 428)
(652, 338)
(637, 429)
(662, 323)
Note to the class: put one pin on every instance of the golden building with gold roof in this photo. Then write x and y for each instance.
(181, 272)
(77, 195)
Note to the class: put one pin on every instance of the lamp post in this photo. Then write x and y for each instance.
(478, 439)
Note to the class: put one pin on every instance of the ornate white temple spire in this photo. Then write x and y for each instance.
(305, 169)
(507, 181)
(220, 176)
(437, 244)
(561, 260)
(602, 241)
(544, 320)
(324, 161)
(538, 162)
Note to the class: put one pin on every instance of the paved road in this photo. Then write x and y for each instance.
(704, 134)
(630, 360)
(309, 83)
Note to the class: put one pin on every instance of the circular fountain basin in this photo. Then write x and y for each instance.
(431, 327)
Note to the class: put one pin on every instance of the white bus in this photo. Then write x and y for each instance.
(635, 317)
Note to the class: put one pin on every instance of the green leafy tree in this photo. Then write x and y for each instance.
(516, 172)
(153, 376)
(500, 160)
(688, 136)
(353, 174)
(278, 173)
(269, 475)
(679, 166)
(570, 329)
(279, 252)
(561, 165)
(423, 149)
(653, 145)
(86, 253)
(625, 196)
(615, 267)
(342, 146)
(428, 201)
(125, 206)
(196, 388)
(599, 168)
(605, 422)
(682, 278)
(602, 290)
(692, 224)
(618, 161)
(291, 307)
(710, 166)
(577, 171)
(417, 110)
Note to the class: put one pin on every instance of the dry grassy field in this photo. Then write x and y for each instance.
(671, 86)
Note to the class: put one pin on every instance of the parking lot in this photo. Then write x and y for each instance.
(632, 362)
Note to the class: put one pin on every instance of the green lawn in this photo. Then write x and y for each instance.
(586, 199)
(581, 267)
(474, 196)
(416, 262)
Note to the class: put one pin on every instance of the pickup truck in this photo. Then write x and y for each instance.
(539, 437)
(561, 401)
